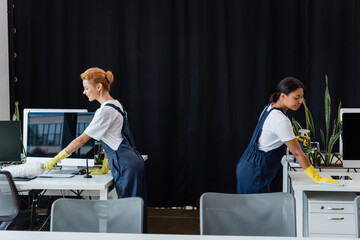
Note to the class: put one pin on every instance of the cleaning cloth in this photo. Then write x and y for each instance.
(26, 169)
(333, 185)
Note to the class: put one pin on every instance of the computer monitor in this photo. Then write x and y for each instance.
(350, 141)
(10, 143)
(48, 131)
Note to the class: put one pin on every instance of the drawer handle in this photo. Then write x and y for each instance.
(330, 208)
(333, 218)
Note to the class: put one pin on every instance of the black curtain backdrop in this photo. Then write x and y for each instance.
(194, 75)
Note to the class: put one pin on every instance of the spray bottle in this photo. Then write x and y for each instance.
(303, 139)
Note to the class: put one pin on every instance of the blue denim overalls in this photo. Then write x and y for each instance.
(256, 169)
(126, 164)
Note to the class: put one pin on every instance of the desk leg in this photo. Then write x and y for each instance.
(34, 207)
(104, 194)
(301, 214)
(285, 178)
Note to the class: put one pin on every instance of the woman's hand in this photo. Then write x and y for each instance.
(104, 170)
(52, 162)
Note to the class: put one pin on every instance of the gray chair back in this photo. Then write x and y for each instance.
(9, 200)
(123, 215)
(357, 216)
(264, 214)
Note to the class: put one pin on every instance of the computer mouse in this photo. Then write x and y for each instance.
(81, 172)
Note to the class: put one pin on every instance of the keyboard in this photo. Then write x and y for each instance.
(24, 178)
(54, 173)
(57, 175)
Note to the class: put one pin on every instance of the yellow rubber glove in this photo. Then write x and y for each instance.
(52, 162)
(104, 170)
(312, 173)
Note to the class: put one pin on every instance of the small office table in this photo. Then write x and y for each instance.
(16, 235)
(98, 185)
(301, 184)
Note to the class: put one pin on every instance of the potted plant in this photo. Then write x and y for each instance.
(322, 156)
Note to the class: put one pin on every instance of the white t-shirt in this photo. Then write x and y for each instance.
(107, 125)
(277, 129)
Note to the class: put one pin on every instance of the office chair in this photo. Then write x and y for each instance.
(123, 215)
(357, 216)
(9, 200)
(264, 214)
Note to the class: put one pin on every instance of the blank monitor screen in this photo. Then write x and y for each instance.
(350, 136)
(10, 142)
(50, 132)
(349, 140)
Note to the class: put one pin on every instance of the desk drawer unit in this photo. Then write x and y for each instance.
(331, 214)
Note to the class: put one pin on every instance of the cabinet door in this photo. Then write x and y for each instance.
(332, 223)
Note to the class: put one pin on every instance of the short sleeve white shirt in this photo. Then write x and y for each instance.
(277, 129)
(107, 125)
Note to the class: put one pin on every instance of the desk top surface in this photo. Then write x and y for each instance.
(97, 182)
(15, 235)
(300, 181)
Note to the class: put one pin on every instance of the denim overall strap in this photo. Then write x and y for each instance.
(126, 132)
(260, 124)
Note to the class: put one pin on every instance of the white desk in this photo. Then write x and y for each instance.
(98, 185)
(301, 184)
(16, 235)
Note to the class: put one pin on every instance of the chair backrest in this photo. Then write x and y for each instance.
(9, 200)
(263, 214)
(123, 215)
(357, 216)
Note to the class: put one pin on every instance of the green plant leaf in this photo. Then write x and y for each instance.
(327, 102)
(334, 128)
(308, 150)
(296, 126)
(332, 141)
(311, 123)
(16, 115)
(338, 121)
(322, 137)
(309, 120)
(338, 156)
(306, 114)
